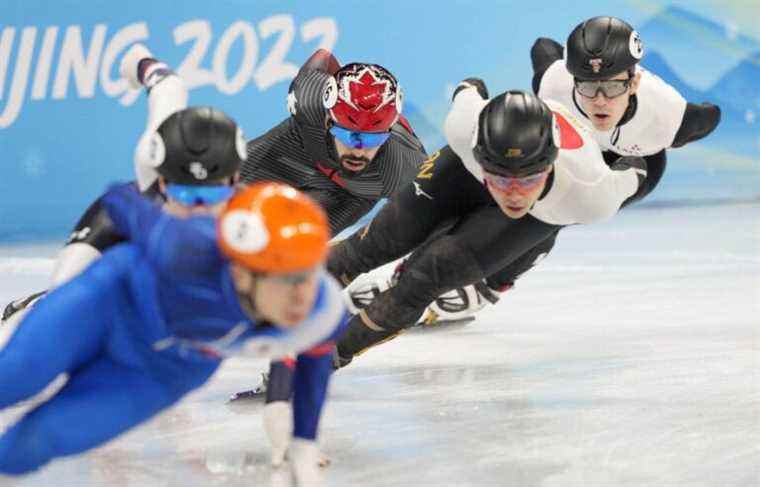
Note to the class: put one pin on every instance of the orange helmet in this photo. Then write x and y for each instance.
(273, 228)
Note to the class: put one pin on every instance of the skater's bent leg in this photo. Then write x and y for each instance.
(443, 265)
(99, 402)
(58, 334)
(505, 278)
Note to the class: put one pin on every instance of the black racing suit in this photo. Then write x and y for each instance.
(698, 121)
(301, 152)
(478, 242)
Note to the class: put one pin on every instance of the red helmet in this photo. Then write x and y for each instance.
(363, 98)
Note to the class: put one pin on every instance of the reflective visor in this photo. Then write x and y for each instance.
(359, 140)
(188, 195)
(523, 185)
(611, 88)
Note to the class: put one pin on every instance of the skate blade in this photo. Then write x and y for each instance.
(252, 395)
(441, 324)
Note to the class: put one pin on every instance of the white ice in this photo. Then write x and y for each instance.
(628, 358)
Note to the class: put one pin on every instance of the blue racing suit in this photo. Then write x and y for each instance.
(141, 327)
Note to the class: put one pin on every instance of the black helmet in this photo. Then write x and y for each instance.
(515, 135)
(602, 47)
(198, 146)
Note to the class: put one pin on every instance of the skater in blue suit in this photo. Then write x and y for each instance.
(170, 181)
(153, 318)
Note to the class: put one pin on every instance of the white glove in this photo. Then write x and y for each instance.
(278, 424)
(476, 83)
(460, 303)
(130, 63)
(360, 294)
(304, 457)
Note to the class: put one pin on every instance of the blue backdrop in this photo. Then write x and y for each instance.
(68, 125)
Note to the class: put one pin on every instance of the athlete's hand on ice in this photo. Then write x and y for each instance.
(278, 425)
(476, 83)
(460, 303)
(304, 459)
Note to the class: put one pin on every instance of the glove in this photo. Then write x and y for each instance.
(128, 68)
(304, 458)
(460, 303)
(278, 424)
(139, 68)
(476, 83)
(360, 294)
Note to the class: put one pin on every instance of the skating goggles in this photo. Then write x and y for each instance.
(359, 140)
(610, 88)
(522, 185)
(188, 195)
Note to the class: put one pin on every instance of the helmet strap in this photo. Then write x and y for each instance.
(247, 299)
(633, 104)
(548, 184)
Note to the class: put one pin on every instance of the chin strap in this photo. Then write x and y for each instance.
(630, 111)
(247, 302)
(633, 104)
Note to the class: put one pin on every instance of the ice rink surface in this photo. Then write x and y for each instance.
(630, 357)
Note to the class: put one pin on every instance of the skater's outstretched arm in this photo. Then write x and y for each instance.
(312, 374)
(544, 53)
(699, 120)
(167, 94)
(305, 92)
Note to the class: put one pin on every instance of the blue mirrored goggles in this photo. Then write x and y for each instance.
(359, 140)
(188, 195)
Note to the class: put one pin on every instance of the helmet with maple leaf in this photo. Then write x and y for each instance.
(363, 98)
